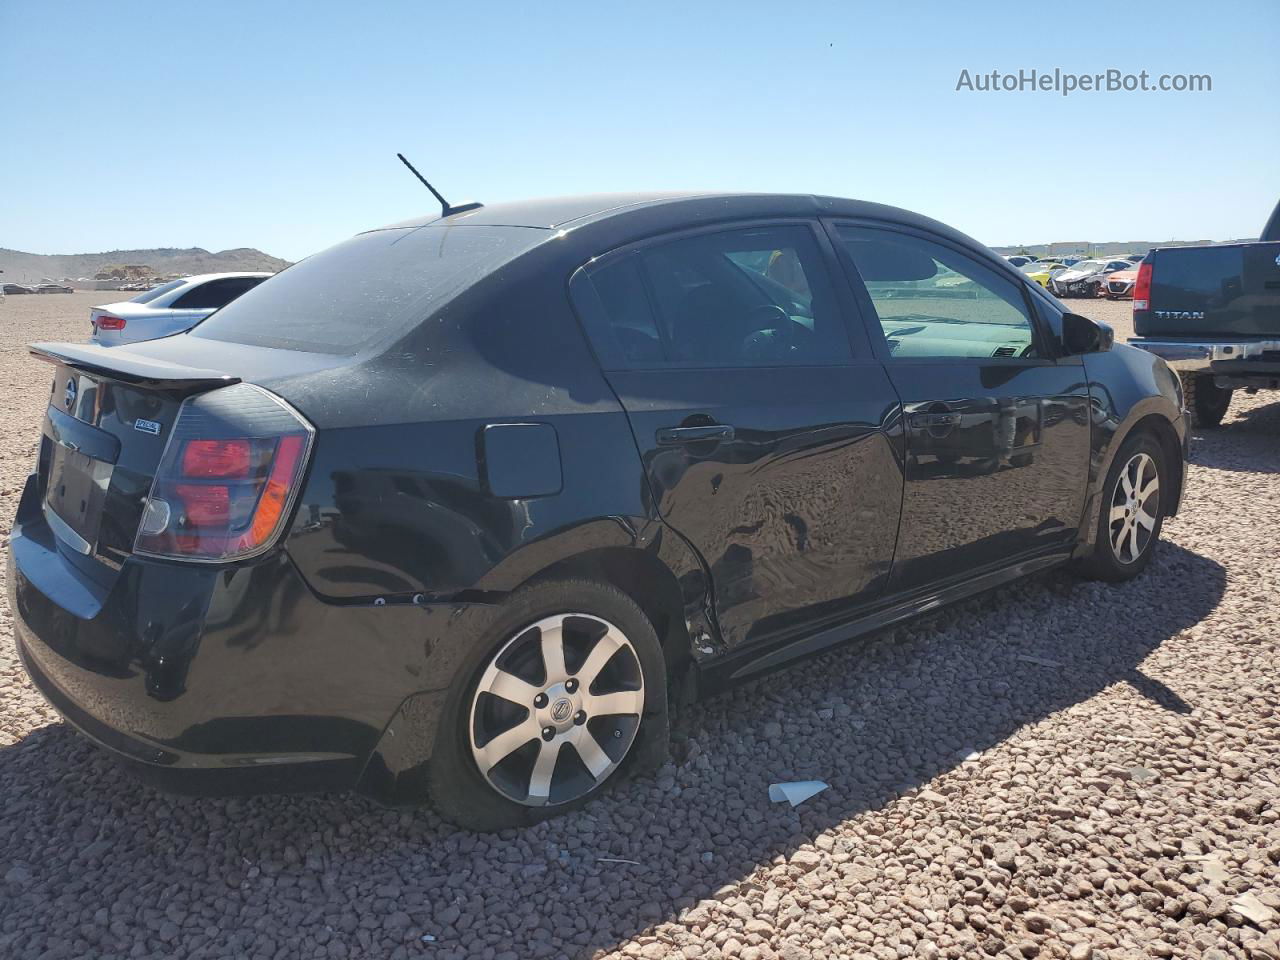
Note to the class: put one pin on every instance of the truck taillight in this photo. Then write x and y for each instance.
(107, 322)
(228, 477)
(1142, 287)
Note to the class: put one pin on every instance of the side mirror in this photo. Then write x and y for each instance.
(1082, 335)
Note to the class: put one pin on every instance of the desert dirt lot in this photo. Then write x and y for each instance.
(1056, 769)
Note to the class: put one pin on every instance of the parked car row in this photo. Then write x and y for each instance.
(1087, 278)
(1111, 277)
(15, 289)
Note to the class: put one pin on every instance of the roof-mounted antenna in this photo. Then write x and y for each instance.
(445, 209)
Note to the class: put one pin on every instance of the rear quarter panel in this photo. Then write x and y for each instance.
(398, 501)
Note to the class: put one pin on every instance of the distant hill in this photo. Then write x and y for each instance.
(1108, 249)
(19, 266)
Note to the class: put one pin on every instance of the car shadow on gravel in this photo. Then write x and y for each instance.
(338, 876)
(1248, 442)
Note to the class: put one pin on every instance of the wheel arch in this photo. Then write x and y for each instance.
(664, 578)
(1155, 423)
(648, 581)
(1158, 426)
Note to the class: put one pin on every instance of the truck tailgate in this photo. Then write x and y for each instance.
(1232, 290)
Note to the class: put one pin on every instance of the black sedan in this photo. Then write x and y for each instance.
(459, 506)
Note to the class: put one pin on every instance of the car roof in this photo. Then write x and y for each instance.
(555, 213)
(547, 212)
(586, 226)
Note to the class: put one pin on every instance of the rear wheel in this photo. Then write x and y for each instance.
(1207, 401)
(552, 707)
(1132, 511)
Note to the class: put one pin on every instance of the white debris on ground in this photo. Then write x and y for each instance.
(1060, 769)
(795, 792)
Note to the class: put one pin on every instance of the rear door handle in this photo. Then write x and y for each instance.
(668, 436)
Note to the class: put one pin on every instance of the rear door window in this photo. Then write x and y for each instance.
(750, 297)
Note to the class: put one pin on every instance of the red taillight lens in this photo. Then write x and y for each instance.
(204, 505)
(216, 458)
(227, 478)
(108, 322)
(1142, 288)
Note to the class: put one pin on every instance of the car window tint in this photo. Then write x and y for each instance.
(932, 301)
(370, 288)
(215, 293)
(738, 298)
(621, 289)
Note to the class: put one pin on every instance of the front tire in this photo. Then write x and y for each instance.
(1207, 401)
(551, 709)
(1131, 515)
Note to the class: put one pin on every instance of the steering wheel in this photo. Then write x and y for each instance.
(774, 335)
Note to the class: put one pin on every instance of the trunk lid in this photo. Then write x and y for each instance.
(110, 414)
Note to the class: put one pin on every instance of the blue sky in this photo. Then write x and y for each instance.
(275, 125)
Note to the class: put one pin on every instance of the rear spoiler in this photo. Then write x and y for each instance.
(116, 363)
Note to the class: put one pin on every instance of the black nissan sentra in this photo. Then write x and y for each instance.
(462, 507)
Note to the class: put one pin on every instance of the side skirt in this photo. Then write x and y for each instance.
(739, 668)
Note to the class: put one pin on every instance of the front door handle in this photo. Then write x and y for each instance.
(668, 436)
(923, 421)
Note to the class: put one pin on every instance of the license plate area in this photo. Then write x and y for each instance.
(75, 493)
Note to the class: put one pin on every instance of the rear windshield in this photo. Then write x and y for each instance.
(370, 288)
(1205, 272)
(159, 291)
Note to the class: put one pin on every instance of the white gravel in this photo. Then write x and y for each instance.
(1059, 769)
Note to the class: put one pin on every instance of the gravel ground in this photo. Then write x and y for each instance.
(1058, 769)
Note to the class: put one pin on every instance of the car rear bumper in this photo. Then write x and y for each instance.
(216, 680)
(1246, 358)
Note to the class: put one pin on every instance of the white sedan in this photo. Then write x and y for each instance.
(169, 308)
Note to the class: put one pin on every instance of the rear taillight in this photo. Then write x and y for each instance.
(107, 322)
(228, 477)
(1142, 288)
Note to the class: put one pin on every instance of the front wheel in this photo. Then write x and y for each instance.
(1132, 511)
(551, 709)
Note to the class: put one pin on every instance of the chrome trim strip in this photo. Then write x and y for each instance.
(1193, 355)
(64, 532)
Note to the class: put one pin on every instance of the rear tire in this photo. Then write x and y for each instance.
(552, 754)
(1207, 401)
(1131, 514)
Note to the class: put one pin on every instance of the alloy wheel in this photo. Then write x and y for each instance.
(1135, 508)
(557, 709)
